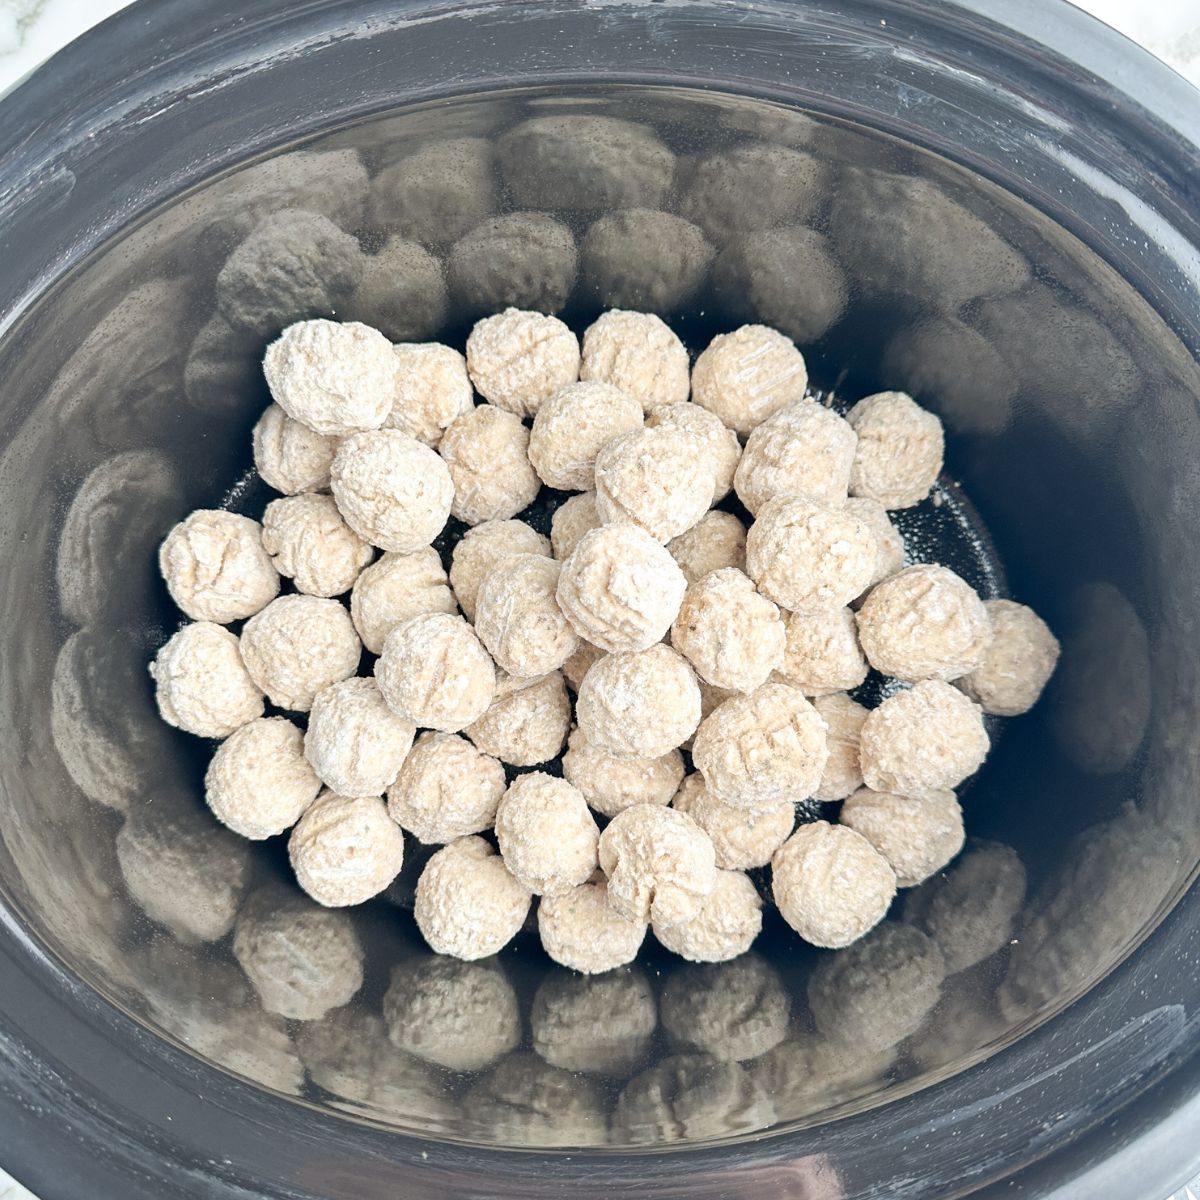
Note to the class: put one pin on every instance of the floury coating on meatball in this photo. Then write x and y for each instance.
(290, 456)
(717, 540)
(483, 547)
(395, 588)
(1017, 664)
(742, 838)
(573, 518)
(518, 618)
(547, 836)
(310, 544)
(638, 353)
(748, 375)
(446, 789)
(433, 390)
(572, 426)
(519, 359)
(718, 444)
(899, 453)
(527, 721)
(611, 784)
(487, 452)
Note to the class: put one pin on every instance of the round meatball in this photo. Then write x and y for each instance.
(519, 619)
(527, 722)
(917, 837)
(518, 359)
(610, 784)
(310, 544)
(899, 453)
(546, 834)
(433, 390)
(487, 452)
(573, 518)
(822, 654)
(580, 663)
(485, 546)
(742, 838)
(716, 541)
(289, 456)
(571, 427)
(843, 773)
(718, 444)
(748, 375)
(728, 921)
(395, 588)
(345, 850)
(1017, 664)
(215, 567)
(638, 353)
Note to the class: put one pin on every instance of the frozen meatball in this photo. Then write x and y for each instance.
(446, 789)
(518, 360)
(611, 784)
(899, 453)
(215, 567)
(640, 354)
(656, 479)
(620, 589)
(581, 930)
(546, 834)
(485, 546)
(917, 837)
(921, 741)
(600, 1026)
(805, 449)
(355, 743)
(289, 456)
(924, 622)
(345, 850)
(730, 634)
(310, 544)
(573, 518)
(468, 903)
(527, 722)
(458, 1015)
(433, 390)
(571, 427)
(801, 553)
(392, 490)
(519, 619)
(822, 654)
(889, 544)
(395, 588)
(742, 838)
(844, 718)
(831, 884)
(402, 292)
(644, 259)
(335, 377)
(736, 1011)
(660, 864)
(642, 704)
(729, 919)
(718, 444)
(758, 749)
(201, 684)
(716, 541)
(972, 909)
(297, 646)
(487, 453)
(1017, 664)
(435, 672)
(580, 663)
(293, 264)
(584, 161)
(523, 260)
(301, 959)
(748, 375)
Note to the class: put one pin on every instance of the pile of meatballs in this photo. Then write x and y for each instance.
(675, 628)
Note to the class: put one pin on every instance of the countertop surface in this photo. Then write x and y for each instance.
(32, 30)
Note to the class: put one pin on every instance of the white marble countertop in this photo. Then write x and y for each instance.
(32, 30)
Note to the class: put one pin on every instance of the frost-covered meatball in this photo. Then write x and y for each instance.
(1017, 664)
(659, 862)
(757, 749)
(402, 292)
(581, 930)
(527, 722)
(468, 904)
(734, 1012)
(805, 449)
(921, 741)
(215, 567)
(640, 354)
(844, 718)
(642, 704)
(289, 456)
(889, 544)
(822, 654)
(310, 544)
(571, 427)
(547, 836)
(899, 453)
(345, 850)
(917, 837)
(301, 959)
(620, 589)
(716, 541)
(519, 359)
(335, 377)
(259, 782)
(395, 588)
(831, 884)
(201, 684)
(748, 375)
(433, 390)
(435, 672)
(718, 444)
(600, 1025)
(657, 479)
(297, 646)
(801, 553)
(573, 518)
(355, 743)
(485, 546)
(446, 789)
(392, 490)
(742, 838)
(610, 784)
(580, 663)
(519, 619)
(728, 921)
(487, 451)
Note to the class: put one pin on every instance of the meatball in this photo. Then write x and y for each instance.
(748, 375)
(917, 837)
(571, 427)
(485, 546)
(291, 457)
(1017, 664)
(310, 544)
(899, 453)
(345, 850)
(518, 360)
(518, 618)
(546, 834)
(742, 838)
(395, 588)
(433, 390)
(487, 453)
(640, 354)
(611, 784)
